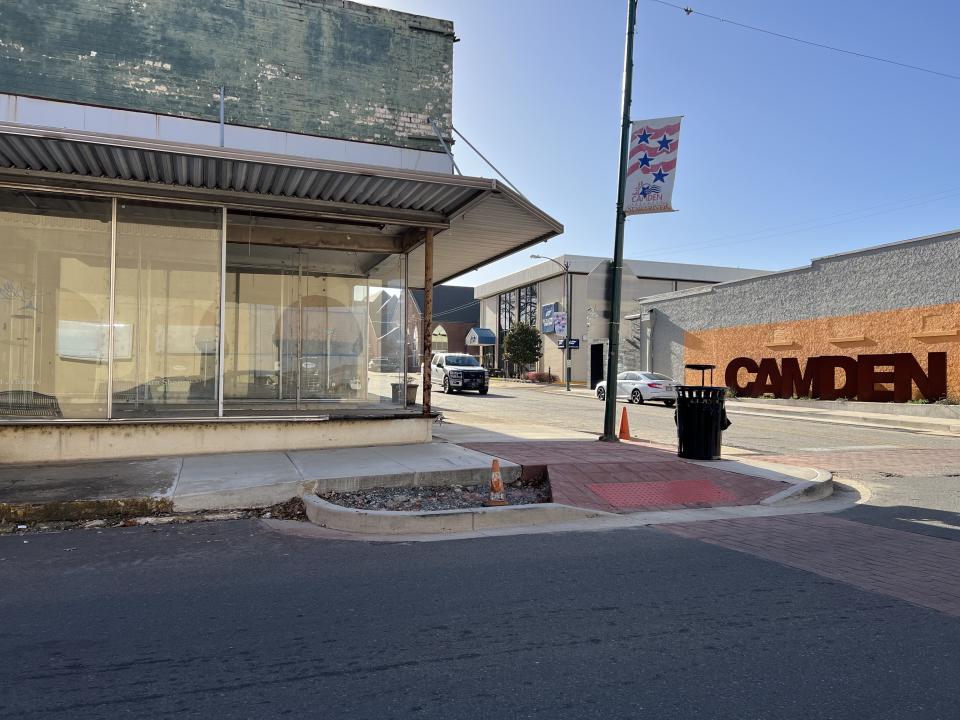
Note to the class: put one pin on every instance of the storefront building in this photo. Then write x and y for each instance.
(876, 325)
(171, 283)
(535, 294)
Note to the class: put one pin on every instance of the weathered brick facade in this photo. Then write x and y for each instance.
(320, 67)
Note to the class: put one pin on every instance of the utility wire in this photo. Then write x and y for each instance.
(690, 11)
(803, 229)
(460, 307)
(812, 223)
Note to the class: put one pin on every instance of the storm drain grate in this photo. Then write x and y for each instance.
(658, 494)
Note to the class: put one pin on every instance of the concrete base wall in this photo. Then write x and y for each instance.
(42, 443)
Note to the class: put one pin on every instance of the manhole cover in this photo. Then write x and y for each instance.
(658, 494)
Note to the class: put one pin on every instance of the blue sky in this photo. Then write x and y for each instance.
(788, 152)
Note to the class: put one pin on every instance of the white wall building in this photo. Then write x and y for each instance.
(523, 296)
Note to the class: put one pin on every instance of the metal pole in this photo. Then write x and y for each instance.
(222, 330)
(609, 417)
(443, 143)
(569, 283)
(404, 355)
(221, 116)
(427, 315)
(112, 312)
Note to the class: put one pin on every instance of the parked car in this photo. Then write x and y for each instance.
(638, 387)
(458, 371)
(383, 364)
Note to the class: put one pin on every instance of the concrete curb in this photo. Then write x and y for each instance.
(395, 522)
(938, 426)
(807, 484)
(820, 487)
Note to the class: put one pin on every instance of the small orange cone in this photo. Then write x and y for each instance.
(624, 426)
(498, 496)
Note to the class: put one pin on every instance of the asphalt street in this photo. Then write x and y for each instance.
(653, 421)
(233, 620)
(922, 496)
(238, 620)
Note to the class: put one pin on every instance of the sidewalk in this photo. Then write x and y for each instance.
(860, 416)
(96, 489)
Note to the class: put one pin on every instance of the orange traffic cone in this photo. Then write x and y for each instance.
(624, 426)
(498, 496)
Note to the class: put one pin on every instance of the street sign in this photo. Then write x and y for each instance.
(574, 343)
(562, 343)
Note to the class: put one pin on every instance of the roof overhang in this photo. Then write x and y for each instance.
(476, 220)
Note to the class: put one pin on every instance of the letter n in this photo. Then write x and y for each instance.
(907, 371)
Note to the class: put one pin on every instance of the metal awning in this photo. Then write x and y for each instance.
(477, 220)
(481, 336)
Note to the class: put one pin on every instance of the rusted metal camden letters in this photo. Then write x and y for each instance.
(865, 377)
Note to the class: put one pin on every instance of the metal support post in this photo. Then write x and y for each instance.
(569, 283)
(427, 315)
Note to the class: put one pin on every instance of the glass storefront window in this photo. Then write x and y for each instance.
(528, 305)
(308, 326)
(54, 305)
(305, 324)
(167, 310)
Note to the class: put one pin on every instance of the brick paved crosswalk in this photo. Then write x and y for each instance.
(902, 461)
(587, 474)
(908, 566)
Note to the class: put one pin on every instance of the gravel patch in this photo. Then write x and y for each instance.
(448, 497)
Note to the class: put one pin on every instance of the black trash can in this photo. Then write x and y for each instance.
(701, 420)
(412, 388)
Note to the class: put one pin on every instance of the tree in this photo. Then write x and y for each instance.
(523, 345)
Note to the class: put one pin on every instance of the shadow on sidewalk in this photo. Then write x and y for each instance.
(942, 524)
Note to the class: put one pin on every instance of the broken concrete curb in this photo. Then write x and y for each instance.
(75, 510)
(394, 522)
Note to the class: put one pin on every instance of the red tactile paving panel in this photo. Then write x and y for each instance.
(661, 494)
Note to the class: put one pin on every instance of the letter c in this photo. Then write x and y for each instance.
(733, 370)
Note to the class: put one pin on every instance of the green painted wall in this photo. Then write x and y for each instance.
(321, 67)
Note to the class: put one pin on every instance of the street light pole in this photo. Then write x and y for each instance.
(569, 284)
(613, 354)
(568, 292)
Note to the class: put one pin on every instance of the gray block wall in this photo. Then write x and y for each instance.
(320, 67)
(914, 273)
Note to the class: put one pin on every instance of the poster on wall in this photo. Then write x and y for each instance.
(652, 166)
(547, 318)
(87, 341)
(560, 323)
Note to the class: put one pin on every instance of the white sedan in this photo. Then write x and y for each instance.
(639, 387)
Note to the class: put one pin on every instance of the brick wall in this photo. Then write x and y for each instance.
(320, 67)
(897, 298)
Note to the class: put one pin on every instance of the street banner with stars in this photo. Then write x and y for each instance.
(651, 166)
